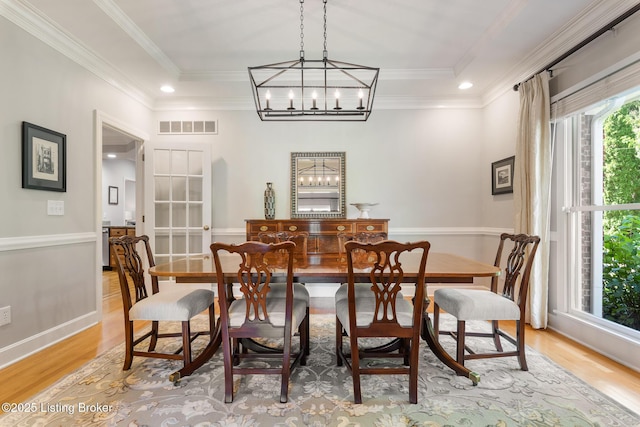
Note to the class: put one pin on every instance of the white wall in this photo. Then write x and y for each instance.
(49, 263)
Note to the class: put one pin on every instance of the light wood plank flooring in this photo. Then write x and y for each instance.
(29, 376)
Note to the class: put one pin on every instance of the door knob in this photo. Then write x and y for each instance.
(206, 227)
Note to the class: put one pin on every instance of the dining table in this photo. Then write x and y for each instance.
(331, 268)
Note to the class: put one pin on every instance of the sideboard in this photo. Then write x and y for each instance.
(323, 232)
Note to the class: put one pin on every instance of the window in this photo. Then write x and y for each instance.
(604, 212)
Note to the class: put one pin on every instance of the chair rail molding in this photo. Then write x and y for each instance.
(32, 242)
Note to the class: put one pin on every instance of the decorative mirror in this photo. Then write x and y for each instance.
(318, 185)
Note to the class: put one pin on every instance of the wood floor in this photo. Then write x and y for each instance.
(29, 376)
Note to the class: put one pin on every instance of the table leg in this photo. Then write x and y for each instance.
(429, 336)
(202, 358)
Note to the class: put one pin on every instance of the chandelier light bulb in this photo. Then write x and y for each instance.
(267, 96)
(291, 100)
(337, 95)
(314, 97)
(360, 96)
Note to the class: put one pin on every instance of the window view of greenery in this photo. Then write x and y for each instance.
(621, 229)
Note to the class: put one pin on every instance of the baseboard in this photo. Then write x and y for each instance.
(25, 348)
(615, 346)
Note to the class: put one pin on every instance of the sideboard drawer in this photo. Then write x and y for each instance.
(336, 227)
(295, 226)
(371, 226)
(260, 227)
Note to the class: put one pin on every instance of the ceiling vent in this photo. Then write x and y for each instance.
(188, 127)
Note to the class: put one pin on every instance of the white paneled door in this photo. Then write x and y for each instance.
(178, 199)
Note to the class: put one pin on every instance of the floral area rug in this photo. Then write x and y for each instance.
(321, 394)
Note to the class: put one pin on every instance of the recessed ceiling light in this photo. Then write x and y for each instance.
(465, 85)
(167, 89)
(111, 156)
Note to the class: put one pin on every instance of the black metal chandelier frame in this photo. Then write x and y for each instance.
(313, 90)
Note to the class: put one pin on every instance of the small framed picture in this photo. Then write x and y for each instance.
(502, 176)
(113, 195)
(44, 154)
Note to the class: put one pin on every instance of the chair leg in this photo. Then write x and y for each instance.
(436, 321)
(304, 337)
(338, 342)
(286, 369)
(228, 366)
(355, 370)
(405, 348)
(128, 339)
(520, 344)
(413, 370)
(186, 343)
(212, 322)
(154, 335)
(496, 335)
(460, 342)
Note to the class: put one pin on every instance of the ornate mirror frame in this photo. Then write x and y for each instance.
(318, 185)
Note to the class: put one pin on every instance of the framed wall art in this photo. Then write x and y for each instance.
(502, 176)
(44, 158)
(113, 195)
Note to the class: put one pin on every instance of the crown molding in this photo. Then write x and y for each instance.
(35, 23)
(128, 26)
(597, 15)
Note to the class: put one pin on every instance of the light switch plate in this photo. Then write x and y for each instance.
(55, 207)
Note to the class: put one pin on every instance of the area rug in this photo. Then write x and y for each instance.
(321, 394)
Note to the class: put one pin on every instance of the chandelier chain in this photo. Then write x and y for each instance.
(301, 28)
(325, 29)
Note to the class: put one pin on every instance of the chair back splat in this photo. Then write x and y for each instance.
(380, 310)
(259, 313)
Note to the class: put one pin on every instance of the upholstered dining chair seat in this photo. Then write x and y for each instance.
(362, 290)
(172, 305)
(366, 308)
(275, 308)
(300, 291)
(476, 304)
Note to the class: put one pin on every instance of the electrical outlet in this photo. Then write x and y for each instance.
(5, 315)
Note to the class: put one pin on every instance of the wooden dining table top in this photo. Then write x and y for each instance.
(329, 268)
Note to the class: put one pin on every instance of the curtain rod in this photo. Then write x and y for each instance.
(610, 26)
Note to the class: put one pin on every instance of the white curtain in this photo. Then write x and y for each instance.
(532, 186)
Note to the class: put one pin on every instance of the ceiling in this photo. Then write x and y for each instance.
(424, 48)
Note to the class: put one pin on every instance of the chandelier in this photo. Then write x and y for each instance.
(313, 90)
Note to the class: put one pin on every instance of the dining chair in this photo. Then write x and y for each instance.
(492, 305)
(381, 312)
(177, 304)
(257, 314)
(300, 238)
